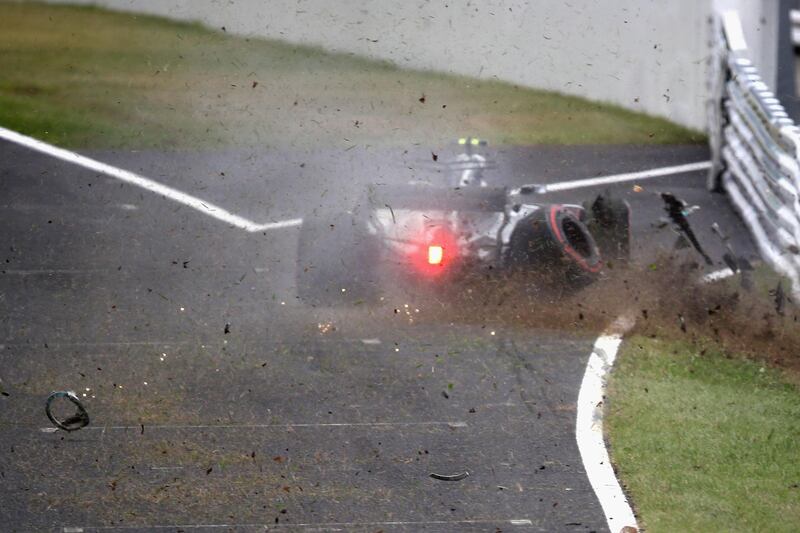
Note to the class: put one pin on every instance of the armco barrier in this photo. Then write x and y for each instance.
(755, 149)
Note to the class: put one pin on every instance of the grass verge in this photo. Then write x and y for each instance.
(704, 441)
(86, 77)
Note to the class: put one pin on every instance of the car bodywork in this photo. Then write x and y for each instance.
(469, 228)
(437, 234)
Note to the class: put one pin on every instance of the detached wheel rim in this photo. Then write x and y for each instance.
(72, 423)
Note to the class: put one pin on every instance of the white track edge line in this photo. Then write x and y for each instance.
(207, 208)
(589, 428)
(718, 275)
(450, 424)
(318, 526)
(630, 176)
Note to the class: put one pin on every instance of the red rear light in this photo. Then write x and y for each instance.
(435, 254)
(435, 251)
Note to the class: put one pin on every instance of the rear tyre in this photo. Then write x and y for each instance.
(554, 243)
(336, 261)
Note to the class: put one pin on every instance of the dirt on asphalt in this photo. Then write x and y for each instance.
(667, 298)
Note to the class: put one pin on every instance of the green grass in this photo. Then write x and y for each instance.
(704, 442)
(85, 77)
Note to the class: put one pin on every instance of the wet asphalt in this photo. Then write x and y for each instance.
(219, 401)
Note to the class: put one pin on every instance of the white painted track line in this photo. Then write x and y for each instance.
(589, 429)
(292, 222)
(450, 424)
(718, 275)
(621, 178)
(451, 525)
(207, 208)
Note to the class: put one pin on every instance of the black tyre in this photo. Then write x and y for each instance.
(554, 242)
(609, 222)
(336, 261)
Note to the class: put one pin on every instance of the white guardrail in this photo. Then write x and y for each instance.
(755, 149)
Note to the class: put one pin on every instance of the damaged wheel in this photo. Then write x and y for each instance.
(554, 242)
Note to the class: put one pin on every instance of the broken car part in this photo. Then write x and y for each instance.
(454, 477)
(72, 423)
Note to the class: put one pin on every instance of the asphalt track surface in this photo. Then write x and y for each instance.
(296, 418)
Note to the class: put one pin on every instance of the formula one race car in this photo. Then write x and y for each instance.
(434, 235)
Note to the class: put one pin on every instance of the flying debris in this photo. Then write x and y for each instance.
(780, 299)
(729, 257)
(746, 270)
(718, 232)
(678, 211)
(730, 261)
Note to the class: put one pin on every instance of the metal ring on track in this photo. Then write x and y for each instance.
(73, 423)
